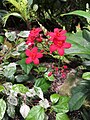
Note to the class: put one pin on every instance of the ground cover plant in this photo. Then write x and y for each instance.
(44, 74)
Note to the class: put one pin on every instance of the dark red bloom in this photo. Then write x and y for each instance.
(59, 41)
(33, 55)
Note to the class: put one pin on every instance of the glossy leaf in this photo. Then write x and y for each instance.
(2, 108)
(61, 116)
(86, 76)
(36, 113)
(42, 83)
(79, 13)
(11, 36)
(20, 88)
(25, 67)
(62, 106)
(76, 101)
(1, 88)
(54, 98)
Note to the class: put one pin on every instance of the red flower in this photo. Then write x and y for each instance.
(59, 41)
(49, 74)
(65, 67)
(33, 55)
(34, 33)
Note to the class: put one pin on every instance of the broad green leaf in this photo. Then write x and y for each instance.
(54, 98)
(2, 108)
(20, 88)
(86, 76)
(11, 36)
(36, 113)
(80, 13)
(62, 106)
(1, 88)
(50, 78)
(61, 116)
(80, 46)
(76, 101)
(43, 84)
(25, 67)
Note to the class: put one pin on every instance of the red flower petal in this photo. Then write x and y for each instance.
(36, 61)
(35, 49)
(39, 55)
(28, 60)
(61, 51)
(66, 45)
(53, 48)
(63, 32)
(27, 52)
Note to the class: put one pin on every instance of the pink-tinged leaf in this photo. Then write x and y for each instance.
(28, 60)
(61, 51)
(36, 61)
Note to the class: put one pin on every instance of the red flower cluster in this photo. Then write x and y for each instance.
(57, 37)
(59, 41)
(34, 35)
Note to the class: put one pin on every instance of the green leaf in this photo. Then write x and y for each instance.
(1, 39)
(62, 106)
(50, 78)
(21, 78)
(86, 76)
(6, 16)
(36, 113)
(24, 34)
(76, 101)
(25, 67)
(54, 98)
(1, 88)
(43, 84)
(11, 110)
(86, 34)
(80, 13)
(2, 108)
(11, 36)
(20, 88)
(79, 45)
(61, 116)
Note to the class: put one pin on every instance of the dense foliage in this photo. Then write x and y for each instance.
(44, 60)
